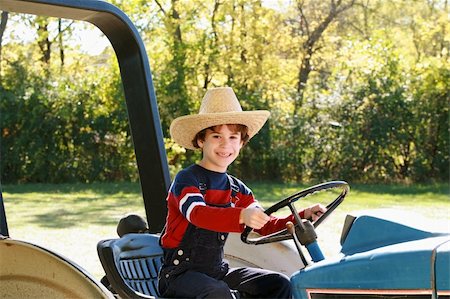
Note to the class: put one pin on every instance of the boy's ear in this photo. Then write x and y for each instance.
(200, 143)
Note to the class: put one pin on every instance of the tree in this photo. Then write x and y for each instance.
(311, 28)
(175, 100)
(357, 89)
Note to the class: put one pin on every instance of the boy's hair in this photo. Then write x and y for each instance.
(238, 128)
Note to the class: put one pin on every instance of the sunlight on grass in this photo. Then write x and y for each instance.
(71, 218)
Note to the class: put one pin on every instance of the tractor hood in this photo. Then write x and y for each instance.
(380, 257)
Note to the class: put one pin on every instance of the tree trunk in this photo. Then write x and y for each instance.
(61, 45)
(43, 41)
(309, 47)
(211, 58)
(3, 22)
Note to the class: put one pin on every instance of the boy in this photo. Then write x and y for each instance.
(205, 204)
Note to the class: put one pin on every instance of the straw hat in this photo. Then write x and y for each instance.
(220, 106)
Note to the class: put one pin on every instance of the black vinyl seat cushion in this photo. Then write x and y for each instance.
(131, 264)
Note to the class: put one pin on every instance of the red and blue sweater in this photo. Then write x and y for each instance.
(216, 210)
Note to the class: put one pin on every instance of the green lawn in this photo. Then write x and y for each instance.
(72, 218)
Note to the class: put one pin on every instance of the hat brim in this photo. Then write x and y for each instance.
(183, 129)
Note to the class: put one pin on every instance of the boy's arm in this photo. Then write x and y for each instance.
(217, 219)
(192, 206)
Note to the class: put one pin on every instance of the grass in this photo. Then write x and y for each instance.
(71, 218)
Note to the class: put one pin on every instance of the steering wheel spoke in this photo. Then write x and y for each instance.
(303, 229)
(274, 237)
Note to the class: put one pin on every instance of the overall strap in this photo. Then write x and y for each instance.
(202, 183)
(234, 186)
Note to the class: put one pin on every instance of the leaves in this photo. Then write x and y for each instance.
(358, 90)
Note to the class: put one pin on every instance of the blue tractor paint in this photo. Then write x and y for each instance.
(368, 232)
(442, 266)
(381, 255)
(315, 252)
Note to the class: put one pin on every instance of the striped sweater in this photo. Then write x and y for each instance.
(215, 210)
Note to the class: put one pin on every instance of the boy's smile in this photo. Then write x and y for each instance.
(220, 148)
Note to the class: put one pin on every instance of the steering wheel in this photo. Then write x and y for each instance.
(303, 229)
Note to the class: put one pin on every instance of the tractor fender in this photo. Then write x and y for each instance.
(280, 256)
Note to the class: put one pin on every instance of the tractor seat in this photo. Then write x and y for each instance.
(131, 264)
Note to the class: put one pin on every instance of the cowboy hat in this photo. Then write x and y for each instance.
(220, 106)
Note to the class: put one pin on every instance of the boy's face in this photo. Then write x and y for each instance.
(220, 148)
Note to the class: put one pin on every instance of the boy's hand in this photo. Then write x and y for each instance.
(314, 212)
(253, 217)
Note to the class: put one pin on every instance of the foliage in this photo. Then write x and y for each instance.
(431, 108)
(358, 90)
(71, 129)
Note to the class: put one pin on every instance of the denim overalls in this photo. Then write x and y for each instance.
(200, 250)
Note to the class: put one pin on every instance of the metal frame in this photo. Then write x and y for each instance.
(138, 87)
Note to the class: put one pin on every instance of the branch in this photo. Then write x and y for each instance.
(160, 7)
(303, 21)
(67, 27)
(334, 12)
(4, 20)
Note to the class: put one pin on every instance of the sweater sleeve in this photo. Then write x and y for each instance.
(217, 219)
